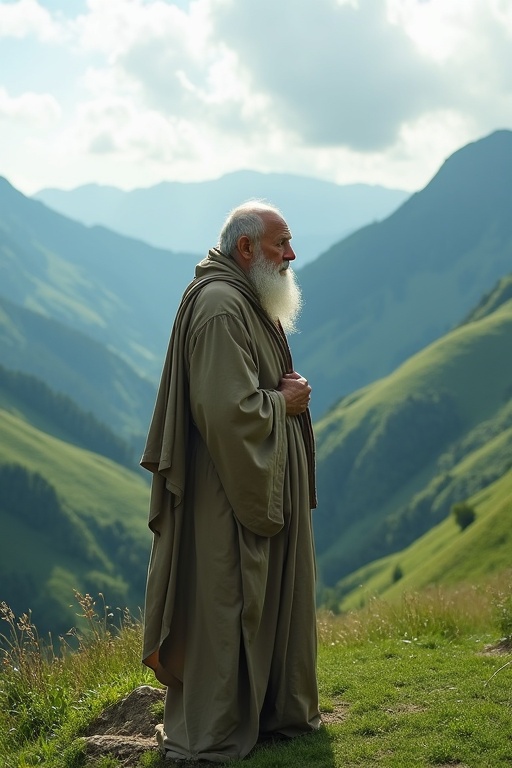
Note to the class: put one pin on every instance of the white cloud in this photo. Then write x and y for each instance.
(354, 90)
(39, 108)
(169, 56)
(116, 126)
(26, 18)
(337, 75)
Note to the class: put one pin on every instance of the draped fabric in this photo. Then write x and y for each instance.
(229, 615)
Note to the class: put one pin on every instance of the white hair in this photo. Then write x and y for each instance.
(246, 220)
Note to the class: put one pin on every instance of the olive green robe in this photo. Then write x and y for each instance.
(230, 613)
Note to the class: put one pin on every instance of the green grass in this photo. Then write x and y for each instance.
(445, 555)
(412, 683)
(419, 702)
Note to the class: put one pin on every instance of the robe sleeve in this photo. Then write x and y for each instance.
(242, 425)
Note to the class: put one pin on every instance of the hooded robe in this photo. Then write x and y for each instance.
(229, 621)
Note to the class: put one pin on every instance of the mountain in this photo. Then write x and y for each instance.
(88, 312)
(393, 287)
(59, 416)
(392, 459)
(394, 456)
(120, 292)
(445, 555)
(372, 300)
(70, 519)
(188, 216)
(73, 364)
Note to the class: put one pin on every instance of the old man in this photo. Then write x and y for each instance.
(230, 613)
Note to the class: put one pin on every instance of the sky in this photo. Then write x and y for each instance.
(130, 93)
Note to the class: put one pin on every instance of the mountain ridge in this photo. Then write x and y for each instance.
(186, 216)
(393, 287)
(112, 288)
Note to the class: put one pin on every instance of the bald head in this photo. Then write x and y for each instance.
(248, 219)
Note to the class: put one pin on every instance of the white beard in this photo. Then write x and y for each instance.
(278, 290)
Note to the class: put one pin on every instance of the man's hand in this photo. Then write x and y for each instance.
(296, 391)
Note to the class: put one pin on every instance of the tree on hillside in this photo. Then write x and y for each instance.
(464, 514)
(397, 573)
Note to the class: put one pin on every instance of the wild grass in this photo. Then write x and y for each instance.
(49, 694)
(446, 612)
(409, 683)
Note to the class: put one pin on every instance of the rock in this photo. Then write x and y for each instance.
(126, 749)
(126, 729)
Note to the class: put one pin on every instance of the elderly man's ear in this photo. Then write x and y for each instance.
(245, 252)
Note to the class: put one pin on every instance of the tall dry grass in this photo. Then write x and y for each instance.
(448, 612)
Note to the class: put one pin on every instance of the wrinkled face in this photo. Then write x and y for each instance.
(275, 241)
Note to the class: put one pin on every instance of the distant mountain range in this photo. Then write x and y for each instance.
(187, 216)
(371, 300)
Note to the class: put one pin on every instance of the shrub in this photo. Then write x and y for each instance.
(397, 573)
(464, 514)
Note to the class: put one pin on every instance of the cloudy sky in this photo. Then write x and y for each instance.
(134, 92)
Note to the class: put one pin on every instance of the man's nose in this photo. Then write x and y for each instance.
(289, 253)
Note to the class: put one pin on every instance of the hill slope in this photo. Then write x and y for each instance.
(186, 216)
(370, 302)
(120, 292)
(74, 364)
(394, 456)
(71, 519)
(393, 287)
(59, 416)
(445, 555)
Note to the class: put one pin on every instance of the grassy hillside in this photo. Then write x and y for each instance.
(72, 363)
(390, 289)
(394, 457)
(59, 416)
(443, 556)
(95, 538)
(121, 292)
(423, 683)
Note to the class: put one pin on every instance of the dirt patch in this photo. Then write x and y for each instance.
(126, 749)
(132, 716)
(453, 765)
(338, 715)
(501, 648)
(126, 729)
